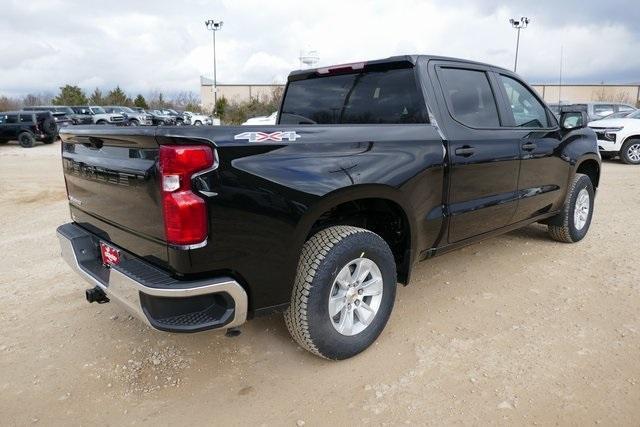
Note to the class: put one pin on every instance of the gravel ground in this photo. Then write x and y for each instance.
(514, 330)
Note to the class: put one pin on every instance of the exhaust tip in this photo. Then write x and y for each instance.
(96, 295)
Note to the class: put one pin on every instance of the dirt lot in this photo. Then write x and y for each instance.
(517, 329)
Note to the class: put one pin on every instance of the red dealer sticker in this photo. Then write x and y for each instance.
(110, 255)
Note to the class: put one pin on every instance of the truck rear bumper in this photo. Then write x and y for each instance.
(151, 294)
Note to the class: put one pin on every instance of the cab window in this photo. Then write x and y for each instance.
(527, 111)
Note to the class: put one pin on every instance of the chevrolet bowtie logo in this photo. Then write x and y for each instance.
(278, 136)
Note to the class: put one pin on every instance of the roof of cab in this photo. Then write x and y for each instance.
(400, 61)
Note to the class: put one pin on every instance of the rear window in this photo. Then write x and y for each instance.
(372, 97)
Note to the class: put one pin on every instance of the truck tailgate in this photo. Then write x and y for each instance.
(112, 184)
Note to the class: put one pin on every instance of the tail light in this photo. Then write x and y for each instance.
(185, 213)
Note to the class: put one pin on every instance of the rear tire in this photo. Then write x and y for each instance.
(198, 123)
(50, 127)
(337, 288)
(48, 140)
(630, 152)
(134, 123)
(572, 224)
(26, 140)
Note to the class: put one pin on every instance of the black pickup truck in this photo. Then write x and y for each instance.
(371, 168)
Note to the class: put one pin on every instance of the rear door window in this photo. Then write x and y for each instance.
(371, 97)
(469, 97)
(26, 118)
(526, 109)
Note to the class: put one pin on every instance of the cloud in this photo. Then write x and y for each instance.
(164, 45)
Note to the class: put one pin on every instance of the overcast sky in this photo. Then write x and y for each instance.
(164, 45)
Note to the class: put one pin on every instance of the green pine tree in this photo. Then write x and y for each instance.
(96, 97)
(140, 102)
(70, 95)
(117, 97)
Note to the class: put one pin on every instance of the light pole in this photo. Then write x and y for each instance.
(518, 24)
(214, 26)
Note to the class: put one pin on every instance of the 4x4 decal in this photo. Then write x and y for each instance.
(277, 136)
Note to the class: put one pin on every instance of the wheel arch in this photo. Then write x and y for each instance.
(635, 135)
(367, 206)
(589, 165)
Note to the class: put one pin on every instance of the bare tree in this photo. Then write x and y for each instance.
(619, 97)
(8, 104)
(187, 100)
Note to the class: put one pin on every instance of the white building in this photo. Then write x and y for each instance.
(234, 92)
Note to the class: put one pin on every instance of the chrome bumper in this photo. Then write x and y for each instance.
(80, 248)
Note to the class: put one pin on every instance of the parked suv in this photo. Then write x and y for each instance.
(132, 117)
(27, 127)
(161, 119)
(99, 116)
(619, 137)
(74, 119)
(600, 110)
(179, 119)
(196, 119)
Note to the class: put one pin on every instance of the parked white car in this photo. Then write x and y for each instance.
(196, 119)
(619, 137)
(263, 120)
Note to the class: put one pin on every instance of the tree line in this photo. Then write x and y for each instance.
(74, 95)
(229, 111)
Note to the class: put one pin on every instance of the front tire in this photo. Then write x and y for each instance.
(343, 293)
(572, 224)
(630, 152)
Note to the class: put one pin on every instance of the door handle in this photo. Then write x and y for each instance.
(465, 151)
(529, 146)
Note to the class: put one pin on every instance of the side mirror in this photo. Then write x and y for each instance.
(573, 117)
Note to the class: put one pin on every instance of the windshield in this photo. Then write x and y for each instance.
(127, 110)
(97, 110)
